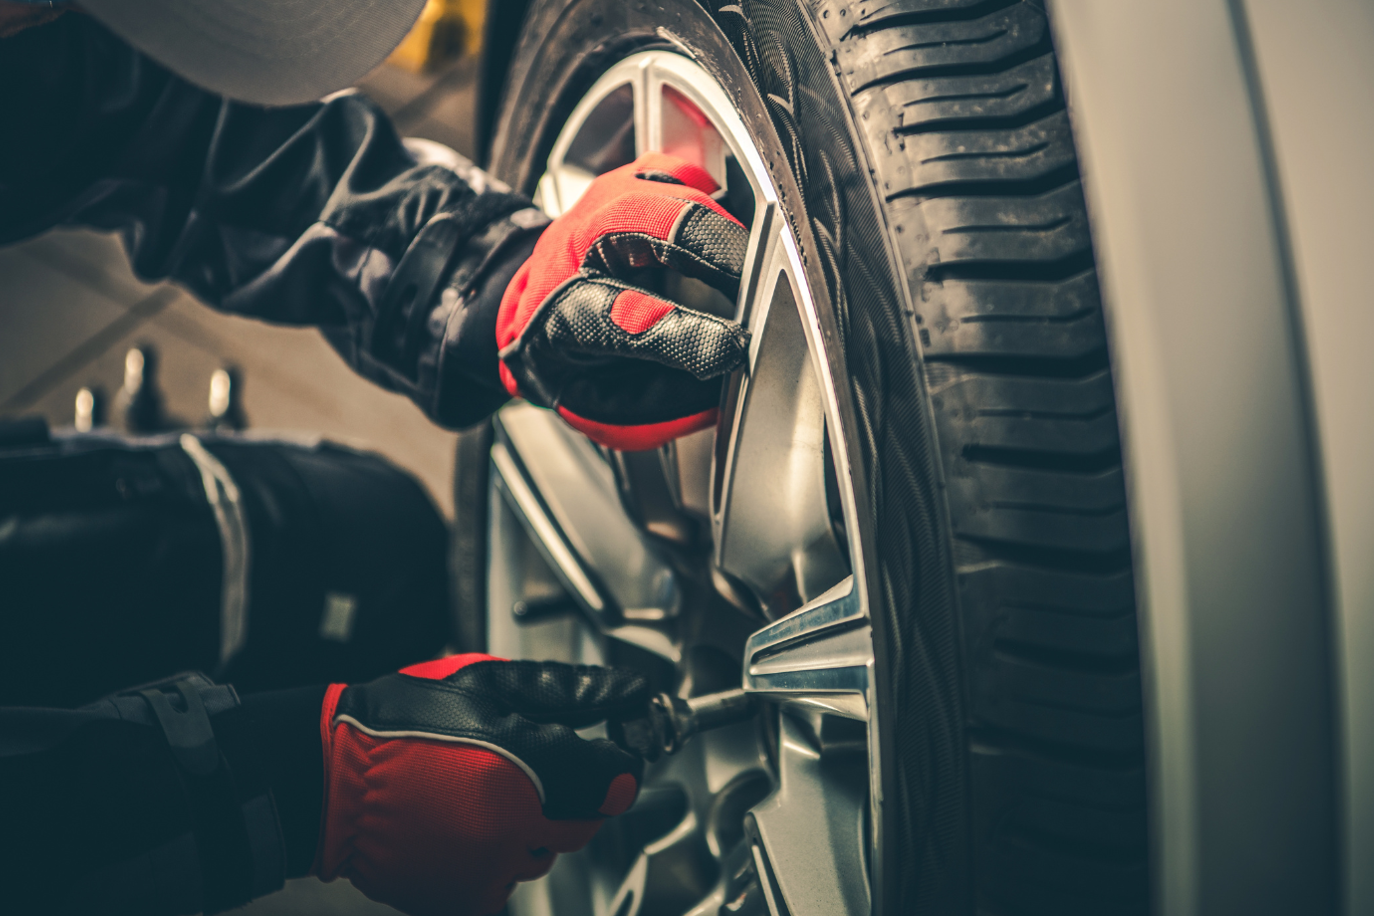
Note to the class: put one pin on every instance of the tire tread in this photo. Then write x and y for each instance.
(964, 121)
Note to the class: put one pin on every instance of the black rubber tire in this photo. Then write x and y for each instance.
(925, 158)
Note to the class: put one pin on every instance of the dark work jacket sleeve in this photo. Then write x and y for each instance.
(315, 214)
(101, 813)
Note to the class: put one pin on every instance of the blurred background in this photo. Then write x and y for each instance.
(71, 310)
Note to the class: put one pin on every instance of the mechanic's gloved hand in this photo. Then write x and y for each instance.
(450, 781)
(575, 333)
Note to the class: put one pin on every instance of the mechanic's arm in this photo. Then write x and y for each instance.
(102, 814)
(433, 790)
(312, 215)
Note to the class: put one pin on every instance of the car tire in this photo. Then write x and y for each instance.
(924, 156)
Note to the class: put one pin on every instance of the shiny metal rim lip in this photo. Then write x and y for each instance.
(838, 680)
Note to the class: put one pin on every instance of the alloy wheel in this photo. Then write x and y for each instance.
(728, 558)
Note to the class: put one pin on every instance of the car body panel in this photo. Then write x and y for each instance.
(1230, 482)
(1315, 62)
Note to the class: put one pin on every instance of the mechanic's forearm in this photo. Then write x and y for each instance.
(277, 736)
(313, 214)
(338, 225)
(452, 363)
(102, 814)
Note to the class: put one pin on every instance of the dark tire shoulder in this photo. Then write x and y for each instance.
(962, 118)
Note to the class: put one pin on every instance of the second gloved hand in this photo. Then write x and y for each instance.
(619, 363)
(450, 781)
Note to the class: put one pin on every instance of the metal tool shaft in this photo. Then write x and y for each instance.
(672, 720)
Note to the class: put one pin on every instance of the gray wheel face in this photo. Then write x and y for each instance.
(728, 557)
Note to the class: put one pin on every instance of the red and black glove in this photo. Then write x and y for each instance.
(450, 781)
(619, 363)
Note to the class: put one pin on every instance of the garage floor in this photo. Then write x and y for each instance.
(70, 308)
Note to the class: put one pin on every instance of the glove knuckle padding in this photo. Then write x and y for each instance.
(511, 714)
(716, 240)
(700, 243)
(579, 321)
(573, 357)
(559, 342)
(575, 695)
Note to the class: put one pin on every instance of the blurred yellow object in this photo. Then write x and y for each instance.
(445, 29)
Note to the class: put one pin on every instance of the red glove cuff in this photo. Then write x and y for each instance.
(433, 823)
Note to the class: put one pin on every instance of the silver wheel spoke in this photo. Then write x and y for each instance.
(653, 884)
(819, 800)
(606, 562)
(773, 525)
(821, 655)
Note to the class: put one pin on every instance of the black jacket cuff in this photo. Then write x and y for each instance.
(469, 385)
(277, 735)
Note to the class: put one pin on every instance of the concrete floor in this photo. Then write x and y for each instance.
(70, 308)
